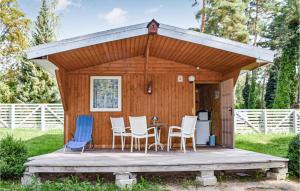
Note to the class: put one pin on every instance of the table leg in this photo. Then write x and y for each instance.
(157, 137)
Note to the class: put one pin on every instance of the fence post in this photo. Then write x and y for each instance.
(265, 120)
(295, 121)
(43, 127)
(13, 116)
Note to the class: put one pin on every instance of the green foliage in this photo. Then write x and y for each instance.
(239, 99)
(35, 85)
(284, 33)
(36, 141)
(13, 156)
(246, 91)
(226, 19)
(287, 77)
(271, 85)
(6, 95)
(257, 12)
(276, 31)
(45, 23)
(293, 155)
(25, 82)
(13, 28)
(253, 101)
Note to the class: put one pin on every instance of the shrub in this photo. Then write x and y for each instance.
(13, 155)
(293, 155)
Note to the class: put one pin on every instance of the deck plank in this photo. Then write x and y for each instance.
(112, 161)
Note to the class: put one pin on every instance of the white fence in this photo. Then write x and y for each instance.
(42, 116)
(51, 116)
(266, 121)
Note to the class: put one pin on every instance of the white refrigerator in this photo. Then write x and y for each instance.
(202, 132)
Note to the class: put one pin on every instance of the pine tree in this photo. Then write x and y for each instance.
(36, 85)
(239, 87)
(45, 24)
(225, 18)
(289, 58)
(271, 86)
(201, 14)
(253, 91)
(246, 91)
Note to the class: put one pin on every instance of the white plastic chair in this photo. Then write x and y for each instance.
(187, 130)
(119, 129)
(139, 130)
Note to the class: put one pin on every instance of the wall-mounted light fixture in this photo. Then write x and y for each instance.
(191, 78)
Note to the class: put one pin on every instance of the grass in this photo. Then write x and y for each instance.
(74, 183)
(272, 144)
(37, 142)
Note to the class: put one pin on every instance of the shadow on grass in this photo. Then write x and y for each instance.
(277, 146)
(44, 144)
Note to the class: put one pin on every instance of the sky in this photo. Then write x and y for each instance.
(80, 17)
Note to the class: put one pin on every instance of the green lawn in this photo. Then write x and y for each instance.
(273, 144)
(37, 142)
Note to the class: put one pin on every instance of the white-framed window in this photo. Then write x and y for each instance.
(105, 93)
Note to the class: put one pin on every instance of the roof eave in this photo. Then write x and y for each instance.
(141, 29)
(86, 40)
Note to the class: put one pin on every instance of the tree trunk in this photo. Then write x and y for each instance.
(255, 24)
(203, 17)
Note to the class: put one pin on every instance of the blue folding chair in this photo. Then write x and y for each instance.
(83, 133)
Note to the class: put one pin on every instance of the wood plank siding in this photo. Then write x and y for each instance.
(170, 100)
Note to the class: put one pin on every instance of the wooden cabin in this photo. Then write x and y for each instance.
(153, 69)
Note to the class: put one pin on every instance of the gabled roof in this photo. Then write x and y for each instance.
(167, 38)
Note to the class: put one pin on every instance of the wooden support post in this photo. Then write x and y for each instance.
(295, 121)
(43, 121)
(265, 121)
(147, 53)
(12, 116)
(61, 76)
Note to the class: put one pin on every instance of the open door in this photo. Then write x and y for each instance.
(227, 113)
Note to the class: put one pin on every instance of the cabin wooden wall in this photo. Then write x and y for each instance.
(170, 100)
(205, 99)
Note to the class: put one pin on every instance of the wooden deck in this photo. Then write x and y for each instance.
(124, 165)
(117, 161)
